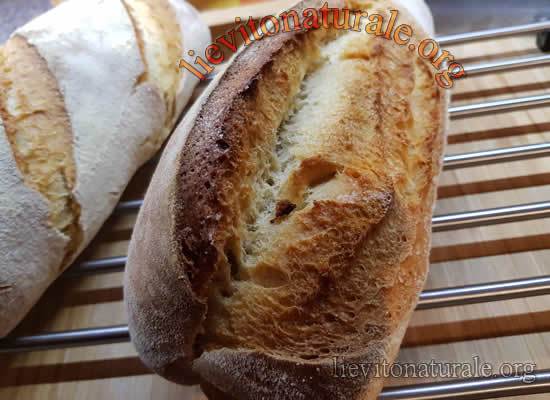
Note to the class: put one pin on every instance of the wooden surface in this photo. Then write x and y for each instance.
(508, 331)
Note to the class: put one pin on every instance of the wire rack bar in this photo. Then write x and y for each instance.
(56, 340)
(493, 33)
(507, 65)
(101, 266)
(492, 216)
(93, 267)
(498, 106)
(128, 207)
(522, 384)
(494, 291)
(429, 299)
(487, 157)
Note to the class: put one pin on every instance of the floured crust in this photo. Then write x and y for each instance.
(105, 106)
(105, 103)
(31, 251)
(253, 295)
(39, 131)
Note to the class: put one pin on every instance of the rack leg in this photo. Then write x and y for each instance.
(543, 41)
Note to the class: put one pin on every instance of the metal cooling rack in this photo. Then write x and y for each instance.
(474, 388)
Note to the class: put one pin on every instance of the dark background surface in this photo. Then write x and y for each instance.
(451, 16)
(14, 13)
(472, 15)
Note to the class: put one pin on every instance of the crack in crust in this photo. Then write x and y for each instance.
(39, 132)
(158, 37)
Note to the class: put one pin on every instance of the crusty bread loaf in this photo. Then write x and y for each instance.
(289, 219)
(89, 91)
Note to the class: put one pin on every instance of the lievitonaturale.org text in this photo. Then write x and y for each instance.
(385, 27)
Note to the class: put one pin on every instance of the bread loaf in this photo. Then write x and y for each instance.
(89, 92)
(288, 223)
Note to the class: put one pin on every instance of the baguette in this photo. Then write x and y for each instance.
(288, 223)
(89, 92)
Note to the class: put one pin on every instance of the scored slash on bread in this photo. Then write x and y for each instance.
(289, 219)
(89, 92)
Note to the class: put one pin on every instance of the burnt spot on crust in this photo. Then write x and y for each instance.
(283, 207)
(199, 267)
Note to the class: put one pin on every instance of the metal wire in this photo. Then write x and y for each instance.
(56, 340)
(491, 216)
(498, 106)
(507, 65)
(496, 156)
(493, 33)
(494, 291)
(521, 384)
(102, 266)
(128, 207)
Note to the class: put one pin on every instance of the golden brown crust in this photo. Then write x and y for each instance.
(31, 103)
(289, 220)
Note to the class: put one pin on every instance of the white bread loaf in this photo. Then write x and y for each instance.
(90, 90)
(289, 219)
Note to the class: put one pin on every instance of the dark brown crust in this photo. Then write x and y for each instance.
(211, 158)
(280, 379)
(188, 213)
